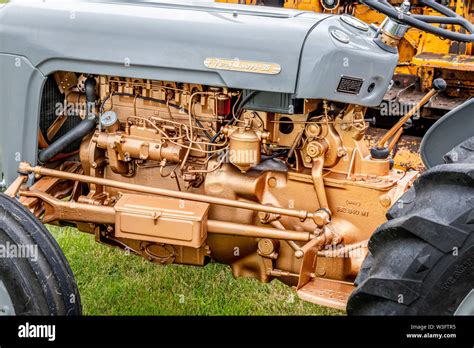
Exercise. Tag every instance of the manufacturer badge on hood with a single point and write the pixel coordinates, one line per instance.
(243, 66)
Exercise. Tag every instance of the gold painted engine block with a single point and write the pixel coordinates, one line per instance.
(181, 173)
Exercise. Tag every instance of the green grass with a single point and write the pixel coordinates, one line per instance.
(114, 283)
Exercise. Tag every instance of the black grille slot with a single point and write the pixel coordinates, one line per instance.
(350, 85)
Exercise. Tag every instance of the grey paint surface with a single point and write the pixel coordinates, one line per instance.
(448, 132)
(20, 89)
(161, 40)
(324, 60)
(157, 42)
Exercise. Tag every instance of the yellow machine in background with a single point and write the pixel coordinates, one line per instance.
(423, 56)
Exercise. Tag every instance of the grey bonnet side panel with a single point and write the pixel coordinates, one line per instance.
(155, 42)
(171, 43)
(20, 89)
(325, 60)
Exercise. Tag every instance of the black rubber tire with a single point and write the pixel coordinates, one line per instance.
(421, 262)
(463, 153)
(41, 285)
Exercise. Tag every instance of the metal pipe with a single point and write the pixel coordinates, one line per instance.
(295, 143)
(405, 118)
(296, 248)
(58, 210)
(230, 228)
(395, 139)
(318, 181)
(26, 168)
(343, 251)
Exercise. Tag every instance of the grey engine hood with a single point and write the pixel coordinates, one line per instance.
(169, 39)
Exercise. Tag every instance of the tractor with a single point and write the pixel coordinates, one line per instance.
(196, 132)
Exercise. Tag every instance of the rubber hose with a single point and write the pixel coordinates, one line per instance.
(89, 89)
(84, 128)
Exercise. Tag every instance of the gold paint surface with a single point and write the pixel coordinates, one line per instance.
(263, 221)
(243, 66)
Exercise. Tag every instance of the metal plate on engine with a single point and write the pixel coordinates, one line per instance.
(243, 66)
(350, 85)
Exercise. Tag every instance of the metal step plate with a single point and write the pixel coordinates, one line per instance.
(327, 292)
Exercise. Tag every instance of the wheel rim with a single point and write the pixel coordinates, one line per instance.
(467, 305)
(6, 304)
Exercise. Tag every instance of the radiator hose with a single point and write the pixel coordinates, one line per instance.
(82, 129)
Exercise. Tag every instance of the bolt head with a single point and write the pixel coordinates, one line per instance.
(385, 201)
(272, 182)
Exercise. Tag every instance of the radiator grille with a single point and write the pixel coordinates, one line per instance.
(50, 98)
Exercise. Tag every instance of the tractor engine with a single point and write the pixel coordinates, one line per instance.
(178, 144)
(256, 158)
(284, 176)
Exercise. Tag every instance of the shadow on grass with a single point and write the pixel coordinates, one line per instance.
(114, 283)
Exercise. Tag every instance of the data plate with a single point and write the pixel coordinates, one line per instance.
(350, 85)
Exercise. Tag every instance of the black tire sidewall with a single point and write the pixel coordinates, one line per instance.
(22, 285)
(39, 284)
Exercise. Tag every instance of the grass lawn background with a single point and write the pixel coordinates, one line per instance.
(114, 283)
